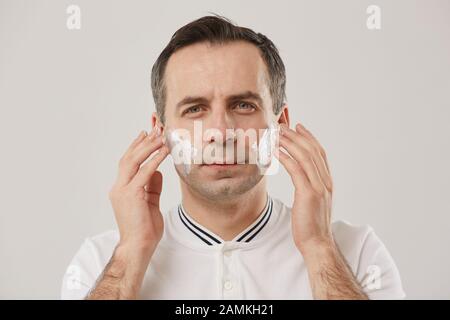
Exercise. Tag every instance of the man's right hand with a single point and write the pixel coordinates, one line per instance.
(135, 200)
(136, 192)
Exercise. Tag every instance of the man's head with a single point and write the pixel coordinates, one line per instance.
(226, 77)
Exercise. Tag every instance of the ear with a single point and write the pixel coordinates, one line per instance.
(156, 122)
(283, 117)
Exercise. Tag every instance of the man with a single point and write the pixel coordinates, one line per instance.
(228, 239)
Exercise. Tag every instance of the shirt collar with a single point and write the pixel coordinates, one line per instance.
(207, 237)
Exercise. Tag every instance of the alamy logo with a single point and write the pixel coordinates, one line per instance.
(374, 19)
(73, 21)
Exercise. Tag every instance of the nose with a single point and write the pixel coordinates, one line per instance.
(219, 122)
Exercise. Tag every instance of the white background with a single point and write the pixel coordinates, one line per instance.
(71, 101)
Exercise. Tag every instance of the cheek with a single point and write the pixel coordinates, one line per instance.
(257, 121)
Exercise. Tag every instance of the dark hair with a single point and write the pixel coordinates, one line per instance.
(216, 29)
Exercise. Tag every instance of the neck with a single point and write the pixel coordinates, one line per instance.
(229, 217)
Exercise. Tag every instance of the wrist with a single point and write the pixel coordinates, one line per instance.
(132, 252)
(127, 269)
(318, 249)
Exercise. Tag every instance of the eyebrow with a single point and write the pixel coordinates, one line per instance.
(240, 96)
(250, 95)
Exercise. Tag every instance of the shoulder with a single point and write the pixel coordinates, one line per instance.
(350, 237)
(101, 246)
(104, 240)
(87, 264)
(98, 246)
(369, 259)
(366, 255)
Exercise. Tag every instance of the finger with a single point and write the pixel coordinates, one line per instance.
(297, 174)
(136, 141)
(304, 159)
(153, 188)
(302, 130)
(130, 164)
(142, 135)
(314, 151)
(143, 176)
(146, 148)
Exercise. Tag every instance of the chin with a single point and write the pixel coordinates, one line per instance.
(222, 185)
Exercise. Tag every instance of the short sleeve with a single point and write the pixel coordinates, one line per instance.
(377, 272)
(81, 274)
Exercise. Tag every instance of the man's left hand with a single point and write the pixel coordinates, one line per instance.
(306, 163)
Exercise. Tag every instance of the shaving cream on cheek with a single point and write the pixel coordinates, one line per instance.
(267, 147)
(184, 153)
(181, 149)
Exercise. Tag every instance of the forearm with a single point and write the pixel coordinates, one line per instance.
(123, 275)
(330, 276)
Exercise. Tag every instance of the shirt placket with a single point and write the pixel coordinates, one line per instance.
(229, 279)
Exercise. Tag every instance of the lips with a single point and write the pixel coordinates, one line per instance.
(221, 164)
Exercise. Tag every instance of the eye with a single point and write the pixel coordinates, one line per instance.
(193, 109)
(244, 106)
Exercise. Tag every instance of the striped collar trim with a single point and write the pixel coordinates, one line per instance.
(211, 239)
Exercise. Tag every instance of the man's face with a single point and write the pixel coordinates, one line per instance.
(224, 87)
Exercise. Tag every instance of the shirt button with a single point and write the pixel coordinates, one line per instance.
(227, 253)
(228, 285)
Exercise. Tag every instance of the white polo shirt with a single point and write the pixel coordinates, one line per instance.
(262, 262)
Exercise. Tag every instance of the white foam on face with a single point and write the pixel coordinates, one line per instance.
(184, 153)
(267, 147)
(181, 149)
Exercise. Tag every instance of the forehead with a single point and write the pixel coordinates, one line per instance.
(212, 70)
